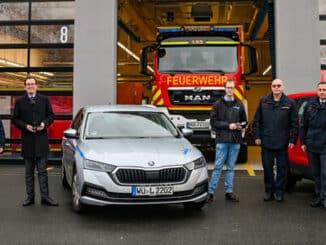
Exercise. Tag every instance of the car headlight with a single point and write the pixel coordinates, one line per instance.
(98, 166)
(198, 163)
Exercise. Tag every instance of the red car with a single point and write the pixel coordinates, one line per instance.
(299, 164)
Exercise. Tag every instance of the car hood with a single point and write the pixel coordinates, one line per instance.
(138, 152)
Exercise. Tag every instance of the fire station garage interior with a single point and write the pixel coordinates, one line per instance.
(143, 52)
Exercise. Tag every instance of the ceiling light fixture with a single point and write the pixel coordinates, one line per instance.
(170, 16)
(201, 12)
(14, 64)
(267, 70)
(10, 63)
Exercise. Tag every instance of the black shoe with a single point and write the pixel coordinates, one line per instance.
(29, 201)
(231, 197)
(323, 205)
(210, 198)
(279, 197)
(316, 203)
(49, 202)
(268, 197)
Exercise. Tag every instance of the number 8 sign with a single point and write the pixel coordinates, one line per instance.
(64, 34)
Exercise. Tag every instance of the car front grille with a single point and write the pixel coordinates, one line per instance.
(141, 176)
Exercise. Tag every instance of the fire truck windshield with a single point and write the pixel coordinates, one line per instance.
(198, 59)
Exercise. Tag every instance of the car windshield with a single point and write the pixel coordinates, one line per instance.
(128, 125)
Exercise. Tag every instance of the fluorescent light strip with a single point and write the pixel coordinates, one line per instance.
(11, 63)
(267, 70)
(133, 55)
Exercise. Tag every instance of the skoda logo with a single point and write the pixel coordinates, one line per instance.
(151, 163)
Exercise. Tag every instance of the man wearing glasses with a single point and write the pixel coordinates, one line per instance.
(227, 119)
(275, 129)
(33, 115)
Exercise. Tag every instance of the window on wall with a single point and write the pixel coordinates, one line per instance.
(36, 36)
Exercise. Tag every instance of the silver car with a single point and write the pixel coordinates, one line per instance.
(116, 155)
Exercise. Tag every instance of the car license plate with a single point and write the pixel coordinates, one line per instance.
(198, 125)
(155, 190)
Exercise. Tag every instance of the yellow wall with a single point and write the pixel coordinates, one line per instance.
(256, 92)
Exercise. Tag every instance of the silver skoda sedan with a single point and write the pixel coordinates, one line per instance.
(116, 155)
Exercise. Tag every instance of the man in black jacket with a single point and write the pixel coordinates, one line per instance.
(313, 139)
(275, 129)
(227, 119)
(33, 115)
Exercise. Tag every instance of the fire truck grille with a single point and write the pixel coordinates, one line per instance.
(192, 97)
(167, 175)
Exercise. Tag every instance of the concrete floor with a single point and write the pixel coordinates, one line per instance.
(249, 222)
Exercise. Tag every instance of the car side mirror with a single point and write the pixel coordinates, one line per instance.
(71, 133)
(187, 132)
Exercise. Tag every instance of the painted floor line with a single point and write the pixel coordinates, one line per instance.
(249, 169)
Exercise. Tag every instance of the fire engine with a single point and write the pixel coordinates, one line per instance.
(191, 65)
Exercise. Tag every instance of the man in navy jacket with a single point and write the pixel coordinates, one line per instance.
(313, 140)
(275, 129)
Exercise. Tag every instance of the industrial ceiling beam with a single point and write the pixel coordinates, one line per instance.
(126, 29)
(261, 19)
(130, 14)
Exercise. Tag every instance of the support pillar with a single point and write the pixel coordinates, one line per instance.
(95, 53)
(297, 44)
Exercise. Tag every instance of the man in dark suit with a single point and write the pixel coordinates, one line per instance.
(313, 140)
(33, 115)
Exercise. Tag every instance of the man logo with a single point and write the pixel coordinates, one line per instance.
(197, 97)
(151, 163)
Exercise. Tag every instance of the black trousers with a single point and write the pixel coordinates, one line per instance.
(41, 164)
(318, 165)
(269, 158)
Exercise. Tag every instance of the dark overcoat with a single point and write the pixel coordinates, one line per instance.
(33, 112)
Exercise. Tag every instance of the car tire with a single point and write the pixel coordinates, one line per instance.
(77, 206)
(194, 205)
(64, 181)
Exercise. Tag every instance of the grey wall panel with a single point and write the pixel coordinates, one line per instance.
(297, 44)
(95, 56)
